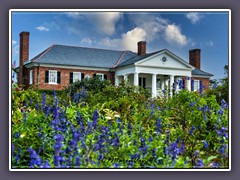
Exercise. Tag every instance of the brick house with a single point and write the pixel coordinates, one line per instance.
(59, 65)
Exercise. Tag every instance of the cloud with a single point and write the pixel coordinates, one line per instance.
(194, 17)
(86, 41)
(173, 34)
(209, 43)
(128, 40)
(42, 28)
(14, 42)
(151, 24)
(105, 22)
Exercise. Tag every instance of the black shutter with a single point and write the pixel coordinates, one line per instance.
(71, 77)
(46, 76)
(94, 75)
(82, 76)
(59, 77)
(139, 82)
(105, 76)
(144, 82)
(183, 81)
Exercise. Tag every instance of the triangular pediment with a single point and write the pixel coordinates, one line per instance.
(164, 59)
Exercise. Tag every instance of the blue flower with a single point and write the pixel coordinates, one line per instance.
(46, 165)
(192, 129)
(192, 104)
(16, 135)
(43, 100)
(196, 153)
(205, 144)
(222, 149)
(35, 160)
(220, 112)
(200, 163)
(215, 165)
(116, 165)
(224, 105)
(78, 161)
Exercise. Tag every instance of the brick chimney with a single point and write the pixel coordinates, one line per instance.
(195, 58)
(141, 47)
(23, 55)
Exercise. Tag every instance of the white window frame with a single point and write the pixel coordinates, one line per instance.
(101, 76)
(52, 77)
(77, 76)
(31, 77)
(196, 85)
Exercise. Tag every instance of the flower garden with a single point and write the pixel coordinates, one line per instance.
(99, 125)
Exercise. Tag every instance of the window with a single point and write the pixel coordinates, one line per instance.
(196, 85)
(52, 77)
(142, 82)
(101, 76)
(76, 76)
(31, 77)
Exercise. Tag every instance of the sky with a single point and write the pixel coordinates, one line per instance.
(178, 32)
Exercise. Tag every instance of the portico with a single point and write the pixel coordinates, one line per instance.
(155, 74)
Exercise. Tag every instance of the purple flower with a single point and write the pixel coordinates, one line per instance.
(46, 165)
(205, 144)
(35, 160)
(224, 105)
(16, 135)
(220, 112)
(78, 161)
(200, 163)
(215, 165)
(222, 149)
(192, 129)
(192, 104)
(196, 153)
(43, 100)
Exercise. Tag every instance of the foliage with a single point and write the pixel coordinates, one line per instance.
(118, 127)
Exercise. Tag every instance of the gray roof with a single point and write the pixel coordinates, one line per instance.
(135, 59)
(81, 56)
(92, 57)
(198, 72)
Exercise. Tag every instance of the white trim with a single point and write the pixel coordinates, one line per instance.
(74, 67)
(79, 74)
(170, 54)
(54, 73)
(198, 84)
(31, 76)
(207, 77)
(101, 75)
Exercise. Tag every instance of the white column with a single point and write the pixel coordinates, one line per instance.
(154, 85)
(188, 83)
(136, 79)
(162, 82)
(116, 80)
(125, 77)
(171, 84)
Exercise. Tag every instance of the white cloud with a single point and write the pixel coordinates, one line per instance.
(42, 28)
(105, 22)
(173, 34)
(128, 41)
(14, 42)
(86, 41)
(194, 17)
(151, 24)
(209, 43)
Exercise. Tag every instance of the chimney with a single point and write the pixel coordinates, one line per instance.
(141, 47)
(23, 55)
(195, 58)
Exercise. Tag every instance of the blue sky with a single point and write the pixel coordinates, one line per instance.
(177, 31)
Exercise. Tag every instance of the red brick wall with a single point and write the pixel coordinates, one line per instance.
(65, 77)
(141, 48)
(205, 82)
(195, 58)
(23, 56)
